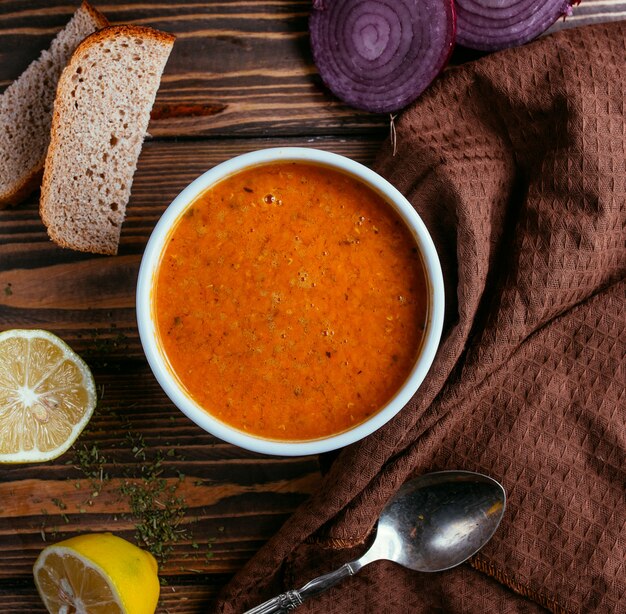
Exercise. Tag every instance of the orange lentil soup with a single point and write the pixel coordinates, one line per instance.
(290, 301)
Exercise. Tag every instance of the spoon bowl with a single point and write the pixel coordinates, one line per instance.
(439, 520)
(434, 522)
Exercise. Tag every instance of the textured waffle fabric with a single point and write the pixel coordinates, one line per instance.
(517, 165)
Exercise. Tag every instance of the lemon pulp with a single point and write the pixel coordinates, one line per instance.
(47, 395)
(97, 573)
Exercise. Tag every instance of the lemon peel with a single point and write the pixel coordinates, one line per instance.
(97, 573)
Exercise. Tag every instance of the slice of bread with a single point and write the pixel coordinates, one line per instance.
(101, 115)
(26, 109)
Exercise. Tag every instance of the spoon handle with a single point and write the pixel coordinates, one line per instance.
(292, 599)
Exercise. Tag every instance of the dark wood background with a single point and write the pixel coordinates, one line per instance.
(240, 78)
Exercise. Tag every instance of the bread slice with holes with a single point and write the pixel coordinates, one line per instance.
(26, 109)
(101, 115)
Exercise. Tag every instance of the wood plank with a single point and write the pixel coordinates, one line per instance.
(241, 67)
(83, 293)
(181, 595)
(238, 68)
(240, 78)
(235, 500)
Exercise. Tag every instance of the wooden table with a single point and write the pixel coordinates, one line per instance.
(240, 78)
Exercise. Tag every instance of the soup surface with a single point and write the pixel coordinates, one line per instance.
(290, 301)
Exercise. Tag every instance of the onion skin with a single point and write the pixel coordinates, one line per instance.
(380, 55)
(491, 25)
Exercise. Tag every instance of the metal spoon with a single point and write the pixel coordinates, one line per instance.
(434, 522)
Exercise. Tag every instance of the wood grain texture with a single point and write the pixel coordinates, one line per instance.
(235, 499)
(247, 60)
(239, 67)
(240, 78)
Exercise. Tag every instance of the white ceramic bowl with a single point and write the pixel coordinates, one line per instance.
(148, 330)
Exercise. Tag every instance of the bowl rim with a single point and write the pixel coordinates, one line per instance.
(147, 327)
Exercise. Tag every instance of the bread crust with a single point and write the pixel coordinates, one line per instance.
(29, 182)
(96, 15)
(23, 188)
(119, 30)
(64, 85)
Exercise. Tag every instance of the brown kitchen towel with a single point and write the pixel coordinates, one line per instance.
(517, 165)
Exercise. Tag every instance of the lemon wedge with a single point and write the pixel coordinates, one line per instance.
(47, 395)
(97, 573)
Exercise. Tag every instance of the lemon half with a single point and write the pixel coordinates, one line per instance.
(47, 395)
(97, 573)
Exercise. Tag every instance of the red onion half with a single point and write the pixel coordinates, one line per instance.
(379, 55)
(496, 24)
